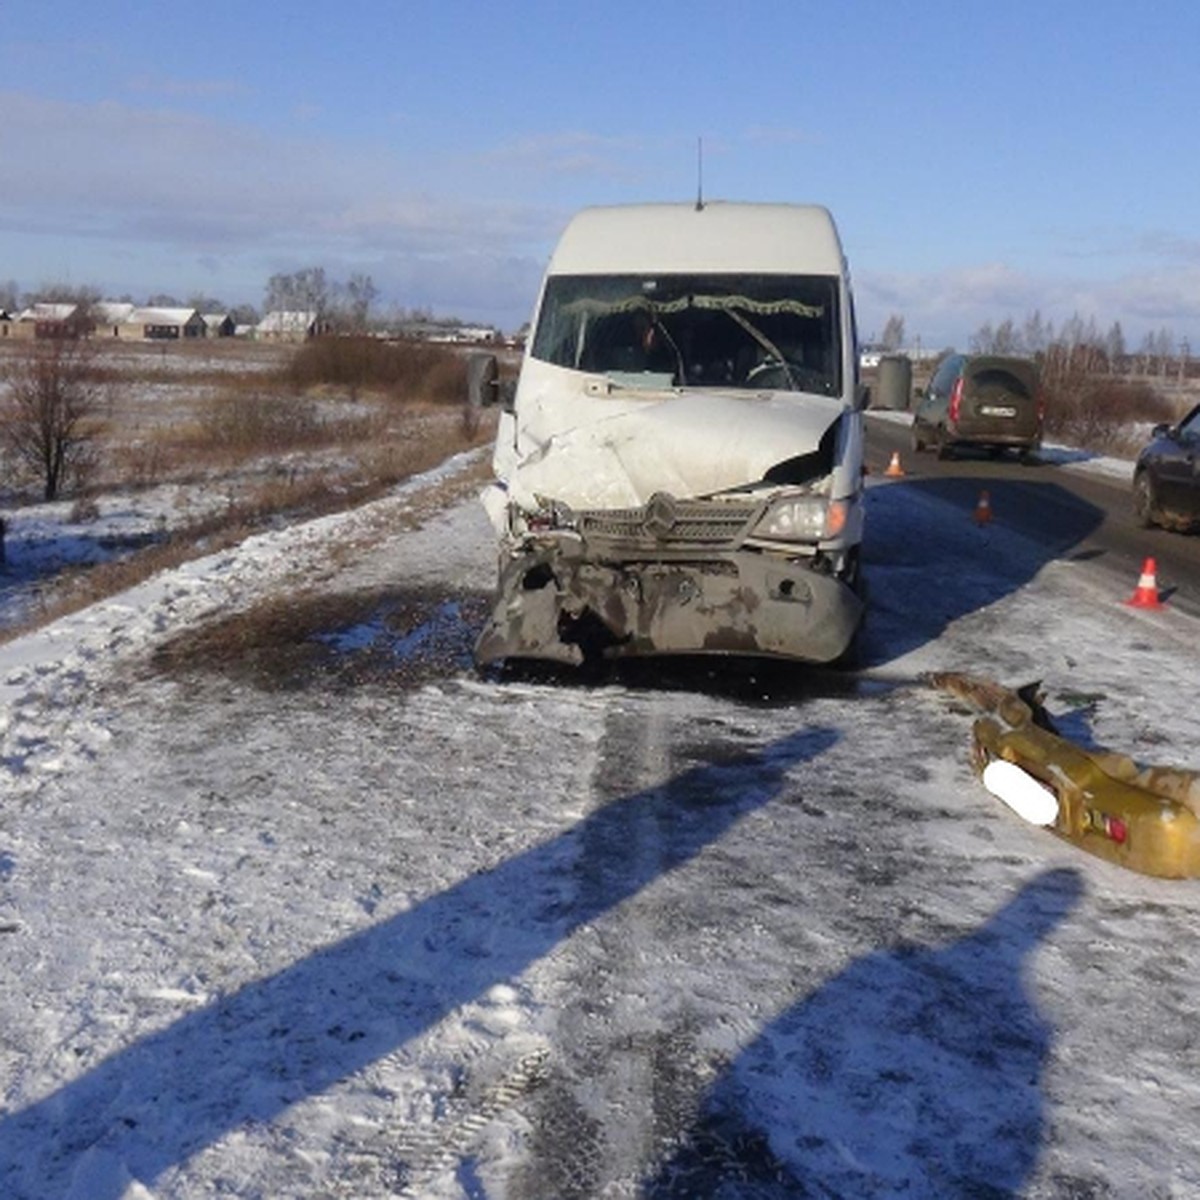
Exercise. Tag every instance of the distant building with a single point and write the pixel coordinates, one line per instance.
(51, 321)
(167, 324)
(112, 317)
(869, 357)
(218, 325)
(281, 326)
(437, 331)
(128, 322)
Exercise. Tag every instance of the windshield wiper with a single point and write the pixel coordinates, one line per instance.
(670, 342)
(766, 343)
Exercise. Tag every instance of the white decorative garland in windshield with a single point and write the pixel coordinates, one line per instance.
(760, 332)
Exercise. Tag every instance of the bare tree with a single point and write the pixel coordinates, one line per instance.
(1164, 349)
(1036, 334)
(299, 291)
(1156, 350)
(893, 332)
(63, 293)
(50, 413)
(205, 304)
(9, 295)
(1006, 339)
(1114, 346)
(983, 339)
(360, 293)
(244, 314)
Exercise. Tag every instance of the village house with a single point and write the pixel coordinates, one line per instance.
(128, 322)
(51, 321)
(218, 325)
(111, 317)
(167, 324)
(439, 331)
(282, 326)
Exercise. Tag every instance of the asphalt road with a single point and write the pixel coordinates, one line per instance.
(1081, 516)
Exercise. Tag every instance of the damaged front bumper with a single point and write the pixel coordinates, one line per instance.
(557, 603)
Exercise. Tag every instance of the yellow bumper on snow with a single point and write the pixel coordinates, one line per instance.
(1143, 818)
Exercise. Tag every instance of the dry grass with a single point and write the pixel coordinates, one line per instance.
(407, 371)
(1101, 413)
(259, 509)
(273, 451)
(335, 398)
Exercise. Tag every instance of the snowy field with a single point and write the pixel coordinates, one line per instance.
(335, 917)
(168, 461)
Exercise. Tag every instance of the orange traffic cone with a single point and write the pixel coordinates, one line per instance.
(1146, 593)
(983, 509)
(894, 469)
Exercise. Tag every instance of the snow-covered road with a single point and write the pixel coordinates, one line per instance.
(399, 930)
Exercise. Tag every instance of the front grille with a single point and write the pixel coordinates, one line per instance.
(669, 524)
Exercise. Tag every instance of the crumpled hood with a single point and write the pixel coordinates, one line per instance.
(617, 451)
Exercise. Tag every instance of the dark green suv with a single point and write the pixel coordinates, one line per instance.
(981, 400)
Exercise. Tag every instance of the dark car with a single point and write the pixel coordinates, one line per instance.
(981, 400)
(1166, 478)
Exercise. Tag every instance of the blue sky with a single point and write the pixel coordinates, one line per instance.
(983, 160)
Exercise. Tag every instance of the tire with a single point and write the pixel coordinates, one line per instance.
(945, 451)
(918, 442)
(1145, 506)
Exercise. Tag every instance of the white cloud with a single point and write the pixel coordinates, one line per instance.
(1171, 246)
(779, 135)
(115, 186)
(166, 85)
(570, 154)
(944, 308)
(126, 179)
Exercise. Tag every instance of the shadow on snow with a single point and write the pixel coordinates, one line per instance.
(914, 1072)
(251, 1054)
(928, 562)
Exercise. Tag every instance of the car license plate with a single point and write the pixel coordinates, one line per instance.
(998, 410)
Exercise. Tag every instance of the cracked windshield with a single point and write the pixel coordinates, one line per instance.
(759, 332)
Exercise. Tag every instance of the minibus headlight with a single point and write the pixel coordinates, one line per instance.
(802, 519)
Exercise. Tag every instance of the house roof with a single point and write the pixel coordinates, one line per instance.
(48, 312)
(162, 316)
(281, 321)
(112, 312)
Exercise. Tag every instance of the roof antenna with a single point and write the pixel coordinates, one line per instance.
(699, 174)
